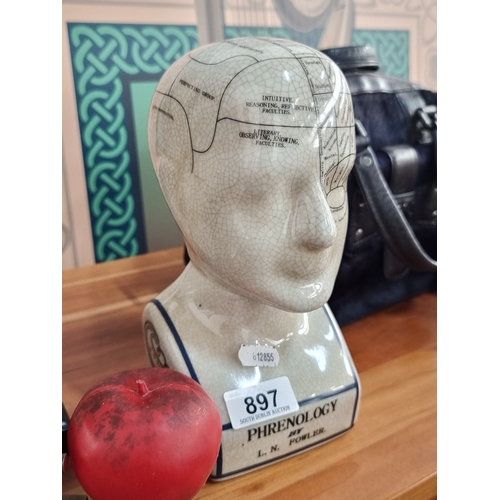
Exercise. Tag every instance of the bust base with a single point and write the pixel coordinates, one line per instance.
(318, 366)
(324, 418)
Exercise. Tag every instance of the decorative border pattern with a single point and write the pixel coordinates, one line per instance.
(101, 55)
(421, 15)
(310, 38)
(392, 47)
(105, 59)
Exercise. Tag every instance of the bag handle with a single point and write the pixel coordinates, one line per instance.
(389, 218)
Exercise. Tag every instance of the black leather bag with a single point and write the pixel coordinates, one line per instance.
(391, 246)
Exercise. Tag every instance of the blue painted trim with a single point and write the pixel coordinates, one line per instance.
(355, 386)
(228, 426)
(187, 360)
(177, 338)
(328, 394)
(218, 469)
(294, 452)
(329, 315)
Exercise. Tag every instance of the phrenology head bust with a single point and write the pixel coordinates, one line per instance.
(252, 140)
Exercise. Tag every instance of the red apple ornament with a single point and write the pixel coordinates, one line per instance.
(146, 434)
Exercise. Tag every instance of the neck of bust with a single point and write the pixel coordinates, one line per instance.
(229, 314)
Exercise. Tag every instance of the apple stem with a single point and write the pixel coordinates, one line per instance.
(142, 387)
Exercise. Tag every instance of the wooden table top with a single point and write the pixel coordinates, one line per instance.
(389, 454)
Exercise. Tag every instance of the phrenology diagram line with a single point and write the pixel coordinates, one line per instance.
(187, 121)
(261, 61)
(263, 124)
(314, 94)
(318, 75)
(178, 77)
(240, 56)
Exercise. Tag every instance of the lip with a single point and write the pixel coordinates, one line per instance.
(310, 266)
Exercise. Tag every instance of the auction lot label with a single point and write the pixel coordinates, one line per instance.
(316, 420)
(260, 402)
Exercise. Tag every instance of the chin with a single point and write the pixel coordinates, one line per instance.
(298, 306)
(291, 295)
(297, 299)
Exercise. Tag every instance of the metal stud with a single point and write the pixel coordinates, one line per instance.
(358, 234)
(366, 160)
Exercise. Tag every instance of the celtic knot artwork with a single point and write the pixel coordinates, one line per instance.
(392, 47)
(106, 58)
(102, 55)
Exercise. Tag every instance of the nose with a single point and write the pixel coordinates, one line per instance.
(314, 224)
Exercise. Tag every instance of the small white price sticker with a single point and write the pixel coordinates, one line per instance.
(265, 401)
(258, 355)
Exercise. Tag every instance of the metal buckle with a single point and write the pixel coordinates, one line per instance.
(362, 137)
(424, 125)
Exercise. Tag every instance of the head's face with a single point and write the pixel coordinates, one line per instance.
(252, 141)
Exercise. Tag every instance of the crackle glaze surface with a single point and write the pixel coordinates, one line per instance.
(252, 141)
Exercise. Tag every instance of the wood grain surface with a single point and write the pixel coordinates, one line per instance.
(389, 454)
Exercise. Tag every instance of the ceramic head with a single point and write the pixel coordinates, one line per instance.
(252, 141)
